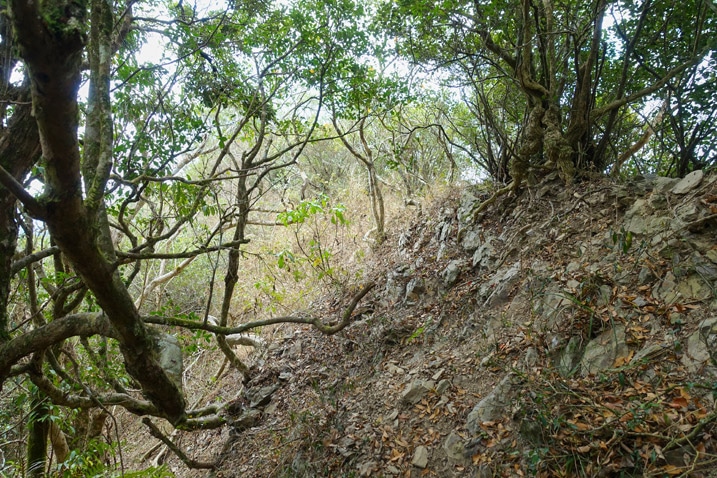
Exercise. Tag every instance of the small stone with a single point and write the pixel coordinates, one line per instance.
(454, 447)
(677, 319)
(247, 420)
(420, 457)
(471, 241)
(646, 276)
(416, 391)
(450, 273)
(366, 468)
(442, 386)
(531, 357)
(495, 405)
(262, 396)
(602, 352)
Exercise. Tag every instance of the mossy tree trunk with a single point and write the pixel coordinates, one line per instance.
(38, 427)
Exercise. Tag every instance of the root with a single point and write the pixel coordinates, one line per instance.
(500, 192)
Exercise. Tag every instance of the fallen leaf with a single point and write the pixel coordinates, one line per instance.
(678, 402)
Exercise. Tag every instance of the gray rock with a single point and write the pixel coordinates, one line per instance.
(455, 448)
(687, 212)
(484, 255)
(646, 276)
(637, 209)
(532, 431)
(420, 457)
(415, 289)
(602, 352)
(366, 468)
(444, 230)
(569, 357)
(700, 346)
(262, 396)
(647, 224)
(712, 255)
(640, 301)
(170, 357)
(666, 289)
(471, 241)
(531, 357)
(344, 446)
(443, 386)
(663, 184)
(689, 182)
(495, 405)
(604, 295)
(498, 289)
(694, 287)
(404, 240)
(705, 267)
(295, 350)
(677, 319)
(657, 201)
(396, 285)
(416, 391)
(248, 419)
(451, 272)
(648, 353)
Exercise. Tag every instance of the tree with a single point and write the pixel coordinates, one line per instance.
(236, 99)
(574, 72)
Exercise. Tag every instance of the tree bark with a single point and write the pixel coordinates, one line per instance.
(19, 149)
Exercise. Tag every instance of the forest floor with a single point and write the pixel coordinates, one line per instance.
(469, 358)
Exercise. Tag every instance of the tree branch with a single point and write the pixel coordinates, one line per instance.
(155, 432)
(315, 321)
(82, 324)
(20, 264)
(32, 205)
(598, 112)
(181, 255)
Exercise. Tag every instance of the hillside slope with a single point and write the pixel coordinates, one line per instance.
(566, 332)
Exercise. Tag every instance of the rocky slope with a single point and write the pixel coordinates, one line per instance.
(566, 332)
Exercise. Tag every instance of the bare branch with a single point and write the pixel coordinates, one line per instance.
(181, 255)
(155, 432)
(315, 321)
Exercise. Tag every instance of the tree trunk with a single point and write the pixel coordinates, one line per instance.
(53, 54)
(232, 274)
(59, 443)
(19, 148)
(38, 427)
